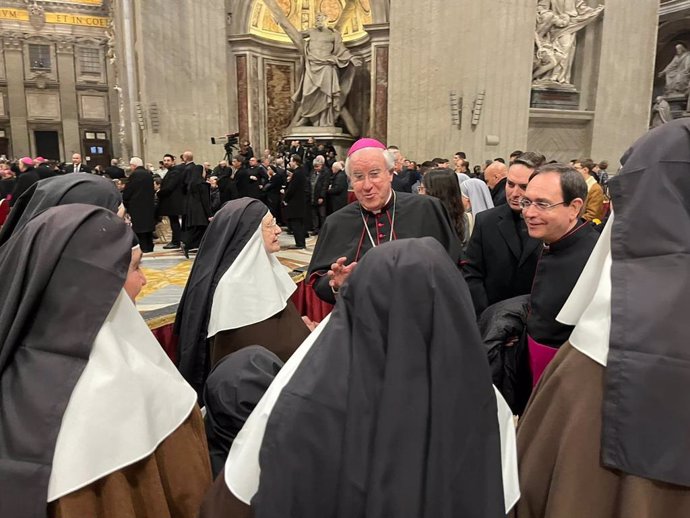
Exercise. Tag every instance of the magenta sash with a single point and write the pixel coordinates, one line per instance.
(539, 357)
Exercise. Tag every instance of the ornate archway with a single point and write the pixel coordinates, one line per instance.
(264, 65)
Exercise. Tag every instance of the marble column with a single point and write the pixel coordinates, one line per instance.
(242, 96)
(16, 100)
(180, 57)
(68, 100)
(626, 75)
(379, 34)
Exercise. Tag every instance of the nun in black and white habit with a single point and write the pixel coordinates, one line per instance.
(606, 431)
(237, 294)
(94, 419)
(61, 190)
(386, 410)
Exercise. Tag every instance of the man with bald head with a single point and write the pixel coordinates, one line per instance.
(138, 197)
(501, 257)
(495, 177)
(379, 215)
(77, 165)
(402, 180)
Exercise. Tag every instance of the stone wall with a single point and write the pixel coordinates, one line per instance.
(181, 84)
(626, 75)
(464, 47)
(443, 55)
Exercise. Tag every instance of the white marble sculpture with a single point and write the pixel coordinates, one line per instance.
(327, 74)
(661, 112)
(677, 72)
(558, 22)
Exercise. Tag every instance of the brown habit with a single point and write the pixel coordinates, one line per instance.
(221, 503)
(281, 334)
(169, 483)
(559, 448)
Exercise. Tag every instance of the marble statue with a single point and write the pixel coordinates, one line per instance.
(327, 75)
(661, 112)
(677, 72)
(558, 22)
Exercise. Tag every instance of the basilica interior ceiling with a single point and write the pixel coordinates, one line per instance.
(348, 16)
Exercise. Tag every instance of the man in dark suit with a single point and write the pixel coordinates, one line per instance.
(257, 179)
(495, 177)
(114, 171)
(296, 148)
(319, 185)
(241, 176)
(501, 258)
(171, 198)
(294, 202)
(336, 194)
(276, 179)
(138, 197)
(77, 166)
(402, 180)
(226, 183)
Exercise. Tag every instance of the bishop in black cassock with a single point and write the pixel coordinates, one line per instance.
(379, 215)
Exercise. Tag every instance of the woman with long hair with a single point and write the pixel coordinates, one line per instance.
(443, 184)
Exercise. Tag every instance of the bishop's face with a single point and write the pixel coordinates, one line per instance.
(370, 178)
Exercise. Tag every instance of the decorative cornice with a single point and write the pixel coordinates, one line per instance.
(12, 42)
(673, 6)
(65, 47)
(63, 40)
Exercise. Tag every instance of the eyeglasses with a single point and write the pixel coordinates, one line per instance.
(373, 176)
(541, 206)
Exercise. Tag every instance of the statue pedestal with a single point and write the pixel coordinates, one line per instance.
(678, 105)
(555, 98)
(340, 140)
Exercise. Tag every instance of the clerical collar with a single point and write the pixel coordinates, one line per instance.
(569, 239)
(366, 227)
(386, 205)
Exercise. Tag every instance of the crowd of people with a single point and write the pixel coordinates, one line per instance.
(464, 302)
(301, 183)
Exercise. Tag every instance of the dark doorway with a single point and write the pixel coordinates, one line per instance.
(47, 144)
(4, 146)
(98, 151)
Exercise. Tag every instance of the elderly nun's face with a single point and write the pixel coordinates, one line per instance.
(270, 232)
(136, 279)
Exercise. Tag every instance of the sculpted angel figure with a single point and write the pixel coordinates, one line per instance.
(558, 22)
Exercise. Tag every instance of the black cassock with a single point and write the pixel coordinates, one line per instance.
(558, 270)
(350, 232)
(138, 197)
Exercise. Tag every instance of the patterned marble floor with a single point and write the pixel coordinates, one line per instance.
(167, 271)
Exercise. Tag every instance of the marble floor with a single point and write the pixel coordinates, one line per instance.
(167, 271)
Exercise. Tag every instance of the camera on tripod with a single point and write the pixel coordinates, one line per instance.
(229, 142)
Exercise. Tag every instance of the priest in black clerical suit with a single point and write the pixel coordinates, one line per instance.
(552, 206)
(380, 215)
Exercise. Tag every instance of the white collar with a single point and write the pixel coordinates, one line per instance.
(254, 288)
(129, 398)
(390, 195)
(589, 306)
(242, 470)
